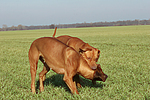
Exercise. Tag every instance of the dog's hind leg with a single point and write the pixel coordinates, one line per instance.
(43, 74)
(42, 77)
(33, 59)
(45, 66)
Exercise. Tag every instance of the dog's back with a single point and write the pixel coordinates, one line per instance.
(52, 51)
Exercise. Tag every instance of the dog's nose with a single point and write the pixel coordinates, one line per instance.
(93, 67)
(105, 77)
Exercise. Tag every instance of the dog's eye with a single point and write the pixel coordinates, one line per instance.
(89, 58)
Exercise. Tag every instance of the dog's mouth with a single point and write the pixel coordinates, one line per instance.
(101, 78)
(97, 79)
(104, 78)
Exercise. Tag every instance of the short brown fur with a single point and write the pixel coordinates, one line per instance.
(62, 59)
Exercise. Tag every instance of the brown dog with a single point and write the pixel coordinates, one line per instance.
(90, 54)
(62, 59)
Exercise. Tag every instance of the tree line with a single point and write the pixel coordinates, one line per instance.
(77, 25)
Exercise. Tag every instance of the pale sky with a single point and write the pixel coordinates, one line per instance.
(46, 12)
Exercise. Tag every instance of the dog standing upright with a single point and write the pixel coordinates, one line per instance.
(62, 59)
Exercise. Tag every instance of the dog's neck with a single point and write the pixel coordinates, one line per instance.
(85, 70)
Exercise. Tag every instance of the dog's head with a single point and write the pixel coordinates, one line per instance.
(90, 54)
(99, 75)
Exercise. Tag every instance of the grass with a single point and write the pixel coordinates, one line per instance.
(125, 58)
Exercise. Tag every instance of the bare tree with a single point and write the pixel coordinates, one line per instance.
(4, 27)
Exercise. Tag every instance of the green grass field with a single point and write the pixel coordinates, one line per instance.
(125, 58)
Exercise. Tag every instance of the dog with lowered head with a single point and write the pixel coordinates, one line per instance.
(62, 59)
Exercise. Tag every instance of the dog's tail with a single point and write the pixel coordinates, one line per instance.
(55, 32)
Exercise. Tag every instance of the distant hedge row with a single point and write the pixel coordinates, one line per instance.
(78, 25)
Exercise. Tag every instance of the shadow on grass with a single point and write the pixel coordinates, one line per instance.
(57, 81)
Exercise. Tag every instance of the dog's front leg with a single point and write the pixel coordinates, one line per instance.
(77, 79)
(72, 85)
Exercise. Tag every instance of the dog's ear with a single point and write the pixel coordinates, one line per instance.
(99, 52)
(81, 51)
(84, 48)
